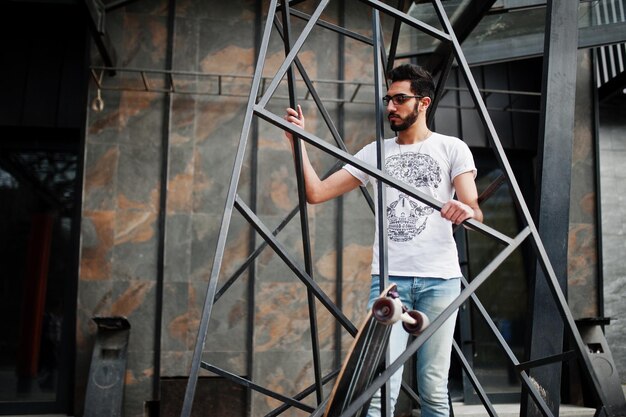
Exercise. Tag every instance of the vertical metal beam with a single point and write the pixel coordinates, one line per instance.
(380, 154)
(163, 194)
(341, 73)
(258, 32)
(555, 290)
(393, 48)
(381, 213)
(596, 155)
(553, 182)
(304, 217)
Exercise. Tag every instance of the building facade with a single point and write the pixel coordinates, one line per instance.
(114, 180)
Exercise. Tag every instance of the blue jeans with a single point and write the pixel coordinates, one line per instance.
(430, 296)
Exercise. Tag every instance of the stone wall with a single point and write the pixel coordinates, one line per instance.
(613, 188)
(120, 230)
(124, 147)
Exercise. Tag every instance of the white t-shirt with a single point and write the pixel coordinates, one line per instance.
(420, 241)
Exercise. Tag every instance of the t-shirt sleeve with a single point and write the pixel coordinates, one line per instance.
(361, 155)
(461, 160)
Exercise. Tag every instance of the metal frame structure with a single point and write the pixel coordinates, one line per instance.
(257, 109)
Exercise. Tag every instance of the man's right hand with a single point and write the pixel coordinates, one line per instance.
(296, 118)
(318, 191)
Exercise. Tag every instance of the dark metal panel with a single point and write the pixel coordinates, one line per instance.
(467, 367)
(553, 188)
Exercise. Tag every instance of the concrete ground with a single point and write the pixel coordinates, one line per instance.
(462, 410)
(512, 410)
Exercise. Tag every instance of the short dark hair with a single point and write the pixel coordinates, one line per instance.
(421, 80)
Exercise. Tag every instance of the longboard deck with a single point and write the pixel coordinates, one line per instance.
(361, 365)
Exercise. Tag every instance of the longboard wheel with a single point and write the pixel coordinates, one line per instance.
(421, 322)
(387, 310)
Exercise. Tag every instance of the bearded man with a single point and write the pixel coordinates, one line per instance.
(422, 254)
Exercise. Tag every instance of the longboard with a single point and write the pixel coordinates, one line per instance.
(368, 349)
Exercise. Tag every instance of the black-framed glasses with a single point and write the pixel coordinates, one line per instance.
(398, 99)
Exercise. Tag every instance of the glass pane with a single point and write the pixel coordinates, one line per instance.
(37, 197)
(505, 293)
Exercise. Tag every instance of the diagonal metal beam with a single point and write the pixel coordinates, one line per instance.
(116, 4)
(335, 28)
(474, 380)
(411, 21)
(324, 113)
(256, 387)
(436, 324)
(379, 175)
(283, 253)
(293, 52)
(542, 256)
(395, 35)
(303, 394)
(526, 381)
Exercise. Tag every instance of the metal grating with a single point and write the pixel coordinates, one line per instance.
(611, 58)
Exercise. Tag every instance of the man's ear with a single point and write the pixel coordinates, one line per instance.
(425, 102)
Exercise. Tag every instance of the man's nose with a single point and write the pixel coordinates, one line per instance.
(390, 106)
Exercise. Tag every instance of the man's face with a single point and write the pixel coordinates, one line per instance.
(402, 115)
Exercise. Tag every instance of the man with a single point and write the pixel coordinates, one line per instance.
(422, 255)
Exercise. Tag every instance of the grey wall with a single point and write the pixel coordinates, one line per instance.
(582, 262)
(121, 193)
(613, 188)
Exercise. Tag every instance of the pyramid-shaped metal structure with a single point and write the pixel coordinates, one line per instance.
(257, 108)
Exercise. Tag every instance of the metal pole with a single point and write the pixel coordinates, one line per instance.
(553, 183)
(302, 202)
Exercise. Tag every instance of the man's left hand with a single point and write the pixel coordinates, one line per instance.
(456, 212)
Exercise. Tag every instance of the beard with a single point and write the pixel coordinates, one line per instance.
(405, 122)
